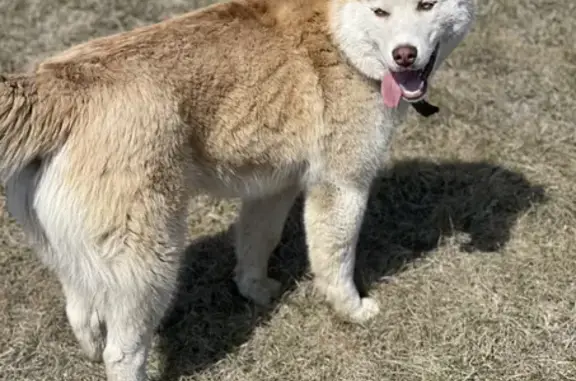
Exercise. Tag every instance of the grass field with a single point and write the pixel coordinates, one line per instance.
(469, 243)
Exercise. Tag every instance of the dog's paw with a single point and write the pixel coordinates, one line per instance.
(367, 310)
(260, 291)
(93, 354)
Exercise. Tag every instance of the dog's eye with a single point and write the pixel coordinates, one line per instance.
(381, 12)
(425, 5)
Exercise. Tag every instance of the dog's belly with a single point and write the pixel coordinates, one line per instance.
(255, 183)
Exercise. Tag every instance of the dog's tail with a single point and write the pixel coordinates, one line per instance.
(31, 126)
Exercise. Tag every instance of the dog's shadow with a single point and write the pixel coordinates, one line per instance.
(412, 208)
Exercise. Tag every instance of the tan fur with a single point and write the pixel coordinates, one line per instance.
(32, 123)
(109, 140)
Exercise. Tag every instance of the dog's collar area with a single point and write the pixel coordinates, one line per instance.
(425, 108)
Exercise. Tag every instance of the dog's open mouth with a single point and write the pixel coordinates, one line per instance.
(409, 84)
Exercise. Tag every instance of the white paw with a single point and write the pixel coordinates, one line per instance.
(93, 353)
(260, 291)
(367, 310)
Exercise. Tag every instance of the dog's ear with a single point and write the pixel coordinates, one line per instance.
(424, 108)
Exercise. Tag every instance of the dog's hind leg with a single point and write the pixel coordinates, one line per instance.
(258, 232)
(142, 276)
(80, 305)
(86, 320)
(130, 322)
(134, 308)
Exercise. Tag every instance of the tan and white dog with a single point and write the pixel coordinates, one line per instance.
(103, 145)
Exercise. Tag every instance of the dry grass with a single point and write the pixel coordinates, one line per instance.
(470, 242)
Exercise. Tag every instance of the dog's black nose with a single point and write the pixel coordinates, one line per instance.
(405, 55)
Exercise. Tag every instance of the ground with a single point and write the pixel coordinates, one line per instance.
(469, 243)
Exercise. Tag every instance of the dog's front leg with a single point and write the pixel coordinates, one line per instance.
(333, 216)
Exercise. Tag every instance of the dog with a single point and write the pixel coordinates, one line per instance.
(104, 144)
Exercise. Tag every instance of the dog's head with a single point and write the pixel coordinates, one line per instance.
(400, 42)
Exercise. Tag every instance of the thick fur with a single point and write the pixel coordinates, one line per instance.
(104, 144)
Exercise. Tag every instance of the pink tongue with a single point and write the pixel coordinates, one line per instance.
(391, 92)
